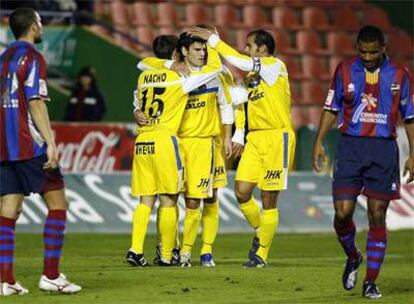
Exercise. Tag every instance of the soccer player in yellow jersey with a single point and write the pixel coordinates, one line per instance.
(157, 165)
(200, 140)
(270, 146)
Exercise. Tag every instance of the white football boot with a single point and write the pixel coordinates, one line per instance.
(61, 285)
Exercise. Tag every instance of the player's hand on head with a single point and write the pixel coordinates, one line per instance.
(200, 32)
(318, 157)
(237, 149)
(409, 169)
(52, 158)
(181, 68)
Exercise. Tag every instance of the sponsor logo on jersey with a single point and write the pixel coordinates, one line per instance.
(145, 148)
(351, 87)
(203, 183)
(255, 95)
(329, 98)
(219, 170)
(273, 174)
(395, 87)
(369, 102)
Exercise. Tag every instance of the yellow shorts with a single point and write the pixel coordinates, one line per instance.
(157, 165)
(198, 156)
(220, 175)
(266, 159)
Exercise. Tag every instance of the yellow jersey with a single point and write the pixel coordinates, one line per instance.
(162, 94)
(201, 115)
(268, 87)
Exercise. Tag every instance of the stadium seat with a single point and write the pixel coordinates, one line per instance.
(284, 17)
(294, 68)
(283, 45)
(308, 42)
(196, 13)
(314, 115)
(374, 15)
(345, 17)
(166, 14)
(313, 92)
(145, 35)
(399, 43)
(333, 63)
(167, 30)
(253, 16)
(225, 15)
(295, 91)
(241, 38)
(119, 13)
(98, 8)
(299, 116)
(314, 67)
(340, 43)
(142, 13)
(315, 18)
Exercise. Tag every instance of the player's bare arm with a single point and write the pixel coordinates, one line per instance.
(318, 154)
(409, 164)
(40, 116)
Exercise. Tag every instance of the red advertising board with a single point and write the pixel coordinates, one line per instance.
(94, 147)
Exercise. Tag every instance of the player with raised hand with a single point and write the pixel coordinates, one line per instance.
(158, 166)
(270, 146)
(200, 140)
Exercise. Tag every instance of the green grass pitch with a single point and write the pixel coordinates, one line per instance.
(303, 268)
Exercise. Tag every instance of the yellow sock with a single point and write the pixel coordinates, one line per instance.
(140, 221)
(168, 224)
(251, 212)
(191, 226)
(210, 226)
(266, 231)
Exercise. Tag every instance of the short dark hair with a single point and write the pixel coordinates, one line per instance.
(186, 40)
(164, 46)
(20, 21)
(262, 37)
(371, 33)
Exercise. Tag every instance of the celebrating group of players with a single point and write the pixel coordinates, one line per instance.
(184, 110)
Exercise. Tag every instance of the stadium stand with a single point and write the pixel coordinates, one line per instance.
(312, 36)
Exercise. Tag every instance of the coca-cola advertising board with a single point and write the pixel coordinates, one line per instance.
(94, 147)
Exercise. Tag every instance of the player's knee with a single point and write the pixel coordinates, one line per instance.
(269, 199)
(212, 199)
(376, 216)
(242, 197)
(342, 216)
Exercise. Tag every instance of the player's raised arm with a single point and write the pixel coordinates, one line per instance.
(269, 68)
(154, 63)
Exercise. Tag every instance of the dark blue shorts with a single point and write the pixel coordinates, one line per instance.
(366, 165)
(28, 176)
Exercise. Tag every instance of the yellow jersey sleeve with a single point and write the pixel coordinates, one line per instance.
(269, 68)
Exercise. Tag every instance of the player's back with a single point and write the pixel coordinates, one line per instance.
(162, 100)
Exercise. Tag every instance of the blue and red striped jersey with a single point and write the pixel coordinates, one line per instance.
(22, 79)
(368, 102)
